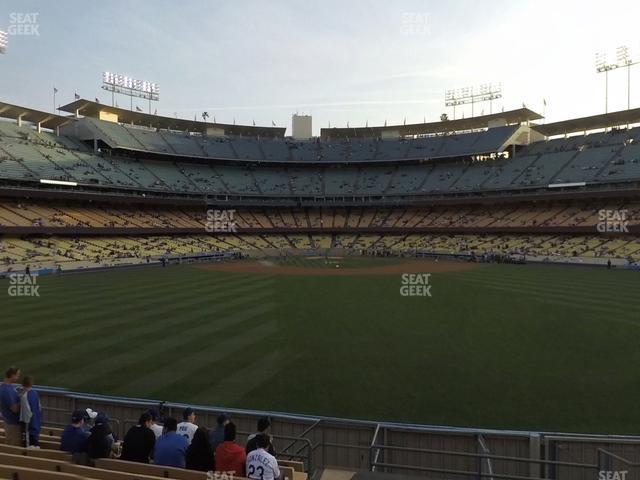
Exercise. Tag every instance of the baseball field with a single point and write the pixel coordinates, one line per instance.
(500, 346)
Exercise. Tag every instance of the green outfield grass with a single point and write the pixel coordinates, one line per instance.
(500, 346)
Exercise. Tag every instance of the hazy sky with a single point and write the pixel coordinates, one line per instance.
(349, 60)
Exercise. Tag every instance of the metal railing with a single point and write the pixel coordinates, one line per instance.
(480, 457)
(481, 454)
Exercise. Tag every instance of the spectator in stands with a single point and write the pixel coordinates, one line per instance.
(231, 457)
(261, 465)
(263, 429)
(171, 448)
(101, 438)
(139, 441)
(217, 435)
(187, 428)
(155, 426)
(10, 407)
(74, 436)
(199, 453)
(30, 412)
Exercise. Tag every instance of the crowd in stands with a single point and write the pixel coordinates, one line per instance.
(553, 214)
(89, 436)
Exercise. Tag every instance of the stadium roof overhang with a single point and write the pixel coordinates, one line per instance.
(594, 122)
(521, 115)
(42, 119)
(88, 108)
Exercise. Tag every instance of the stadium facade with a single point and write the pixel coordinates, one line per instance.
(105, 186)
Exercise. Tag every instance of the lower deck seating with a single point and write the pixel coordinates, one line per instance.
(23, 463)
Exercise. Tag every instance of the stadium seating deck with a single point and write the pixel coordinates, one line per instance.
(26, 154)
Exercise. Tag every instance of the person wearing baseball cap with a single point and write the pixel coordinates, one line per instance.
(74, 436)
(101, 438)
(187, 428)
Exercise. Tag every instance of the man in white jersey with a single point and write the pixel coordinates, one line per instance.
(261, 465)
(188, 427)
(156, 428)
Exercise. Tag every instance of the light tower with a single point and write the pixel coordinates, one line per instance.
(486, 92)
(623, 59)
(4, 40)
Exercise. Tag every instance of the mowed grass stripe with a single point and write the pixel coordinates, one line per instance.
(79, 298)
(236, 385)
(586, 276)
(91, 282)
(571, 288)
(114, 309)
(579, 295)
(562, 300)
(208, 356)
(87, 330)
(157, 354)
(84, 344)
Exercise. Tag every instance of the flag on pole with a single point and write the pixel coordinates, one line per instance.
(76, 96)
(55, 90)
(254, 123)
(273, 124)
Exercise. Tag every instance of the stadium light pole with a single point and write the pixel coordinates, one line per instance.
(4, 41)
(603, 66)
(464, 96)
(624, 60)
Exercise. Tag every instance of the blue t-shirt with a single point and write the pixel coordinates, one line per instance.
(74, 439)
(36, 415)
(8, 397)
(170, 450)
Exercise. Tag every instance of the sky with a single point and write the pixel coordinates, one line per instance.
(356, 61)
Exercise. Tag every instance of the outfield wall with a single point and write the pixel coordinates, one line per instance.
(440, 452)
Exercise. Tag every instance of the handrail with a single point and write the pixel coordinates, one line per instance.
(628, 463)
(466, 473)
(505, 458)
(305, 432)
(373, 458)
